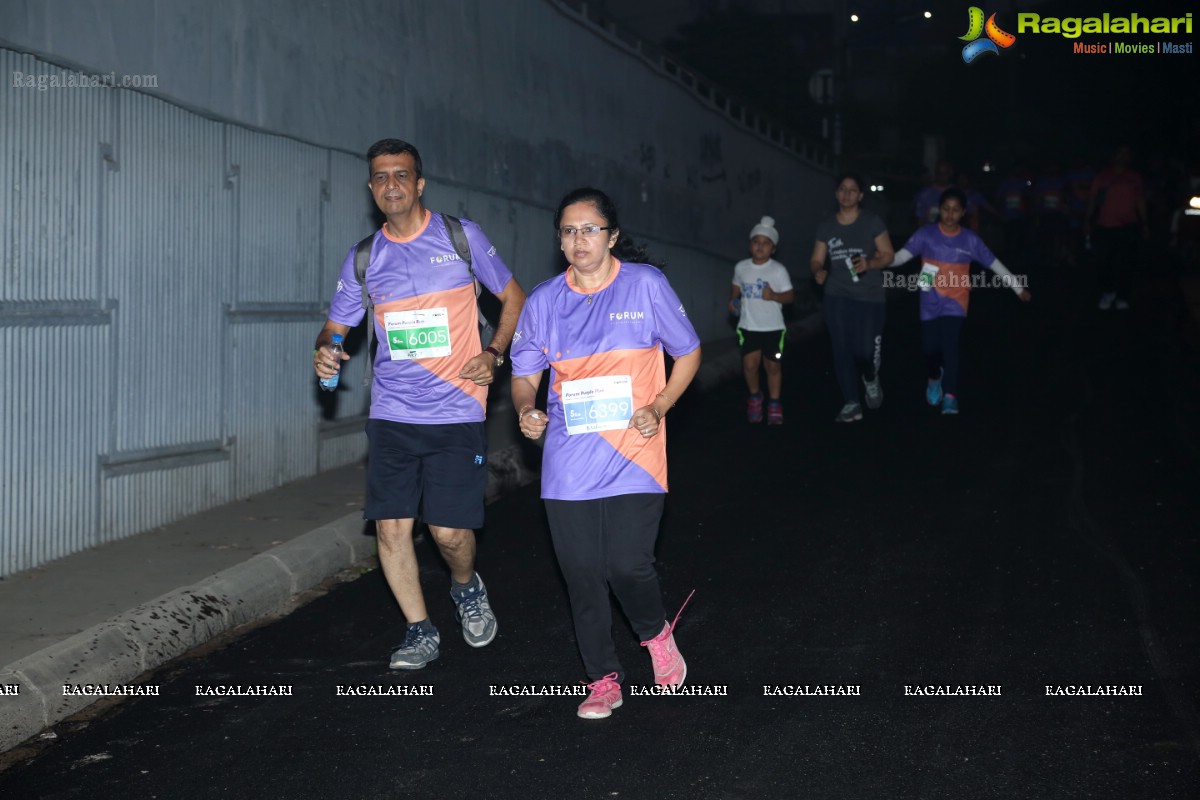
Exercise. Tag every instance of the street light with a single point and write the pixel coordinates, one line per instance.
(853, 28)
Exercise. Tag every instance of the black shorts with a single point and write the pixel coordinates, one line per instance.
(437, 470)
(769, 342)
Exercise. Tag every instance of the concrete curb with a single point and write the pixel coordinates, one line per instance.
(120, 649)
(117, 651)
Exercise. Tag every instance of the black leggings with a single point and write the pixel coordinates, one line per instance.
(603, 544)
(856, 333)
(940, 339)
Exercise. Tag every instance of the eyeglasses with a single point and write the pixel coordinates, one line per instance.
(585, 230)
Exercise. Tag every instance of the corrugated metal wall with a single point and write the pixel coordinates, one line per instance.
(56, 318)
(163, 209)
(276, 188)
(160, 285)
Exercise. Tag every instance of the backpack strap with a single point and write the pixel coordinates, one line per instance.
(362, 258)
(463, 247)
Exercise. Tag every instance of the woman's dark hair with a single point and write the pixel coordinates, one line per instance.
(854, 176)
(625, 249)
(954, 193)
(394, 147)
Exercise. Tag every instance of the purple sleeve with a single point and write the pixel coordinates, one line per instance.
(674, 329)
(345, 308)
(526, 353)
(489, 268)
(979, 250)
(916, 242)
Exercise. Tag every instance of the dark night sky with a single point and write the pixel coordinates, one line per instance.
(1035, 100)
(1039, 95)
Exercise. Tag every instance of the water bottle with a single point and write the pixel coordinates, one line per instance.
(850, 266)
(335, 347)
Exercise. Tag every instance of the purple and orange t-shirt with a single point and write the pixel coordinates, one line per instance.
(1012, 194)
(612, 337)
(425, 320)
(1050, 193)
(952, 256)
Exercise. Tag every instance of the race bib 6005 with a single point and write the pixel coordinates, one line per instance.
(418, 333)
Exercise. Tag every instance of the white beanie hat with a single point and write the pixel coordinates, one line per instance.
(766, 228)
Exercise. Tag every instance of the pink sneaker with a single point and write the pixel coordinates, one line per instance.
(605, 696)
(754, 405)
(669, 667)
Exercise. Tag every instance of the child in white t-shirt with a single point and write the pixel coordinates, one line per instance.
(761, 287)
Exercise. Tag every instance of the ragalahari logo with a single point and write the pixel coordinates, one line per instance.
(996, 38)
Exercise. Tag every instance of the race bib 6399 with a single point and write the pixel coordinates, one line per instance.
(603, 403)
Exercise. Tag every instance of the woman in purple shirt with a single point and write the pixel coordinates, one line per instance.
(601, 328)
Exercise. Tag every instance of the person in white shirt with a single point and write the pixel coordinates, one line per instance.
(761, 287)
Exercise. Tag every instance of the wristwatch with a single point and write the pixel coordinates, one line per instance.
(496, 354)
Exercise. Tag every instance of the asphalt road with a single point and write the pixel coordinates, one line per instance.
(1047, 537)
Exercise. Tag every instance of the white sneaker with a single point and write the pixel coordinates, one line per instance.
(1121, 305)
(474, 613)
(851, 412)
(1106, 301)
(874, 393)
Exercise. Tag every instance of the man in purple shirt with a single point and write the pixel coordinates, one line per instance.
(427, 446)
